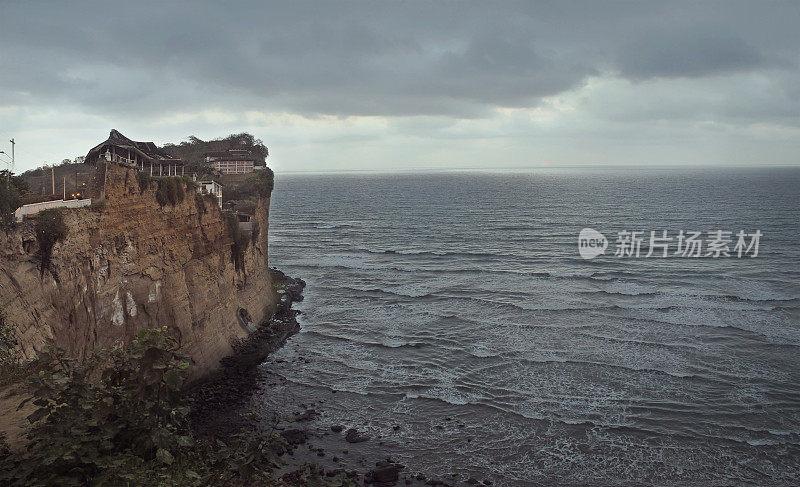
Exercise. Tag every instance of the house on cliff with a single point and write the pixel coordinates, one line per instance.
(211, 187)
(145, 156)
(232, 161)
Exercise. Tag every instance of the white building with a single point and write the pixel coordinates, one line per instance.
(232, 161)
(211, 187)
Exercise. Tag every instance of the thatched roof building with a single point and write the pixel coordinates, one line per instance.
(145, 156)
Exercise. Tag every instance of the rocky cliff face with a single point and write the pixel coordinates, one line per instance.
(132, 265)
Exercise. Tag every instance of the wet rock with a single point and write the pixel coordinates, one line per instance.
(353, 436)
(306, 415)
(384, 473)
(295, 436)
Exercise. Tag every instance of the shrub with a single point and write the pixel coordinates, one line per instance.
(199, 202)
(240, 240)
(119, 418)
(264, 181)
(49, 230)
(190, 183)
(115, 411)
(144, 180)
(171, 191)
(11, 368)
(211, 199)
(9, 200)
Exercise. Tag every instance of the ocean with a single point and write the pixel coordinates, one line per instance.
(451, 315)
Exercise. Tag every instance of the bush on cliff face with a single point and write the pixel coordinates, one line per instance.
(240, 240)
(171, 190)
(144, 180)
(11, 368)
(264, 181)
(49, 229)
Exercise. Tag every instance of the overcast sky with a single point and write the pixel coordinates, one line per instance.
(390, 85)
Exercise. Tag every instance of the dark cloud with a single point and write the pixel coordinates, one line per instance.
(457, 60)
(346, 58)
(687, 54)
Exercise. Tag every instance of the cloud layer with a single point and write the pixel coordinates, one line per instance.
(570, 83)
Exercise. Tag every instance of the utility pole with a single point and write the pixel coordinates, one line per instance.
(12, 154)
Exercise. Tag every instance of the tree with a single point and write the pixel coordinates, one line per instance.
(9, 197)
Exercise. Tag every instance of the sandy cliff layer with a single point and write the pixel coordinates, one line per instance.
(134, 265)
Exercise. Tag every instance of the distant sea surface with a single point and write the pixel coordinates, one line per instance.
(463, 296)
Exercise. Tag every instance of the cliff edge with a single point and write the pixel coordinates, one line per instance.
(130, 263)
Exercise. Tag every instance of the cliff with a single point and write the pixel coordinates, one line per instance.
(133, 264)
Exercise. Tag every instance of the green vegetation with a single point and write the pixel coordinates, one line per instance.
(260, 183)
(190, 183)
(11, 368)
(240, 238)
(171, 190)
(199, 202)
(49, 229)
(191, 150)
(264, 182)
(144, 180)
(11, 190)
(119, 418)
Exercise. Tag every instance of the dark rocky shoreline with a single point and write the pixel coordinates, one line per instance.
(221, 408)
(217, 399)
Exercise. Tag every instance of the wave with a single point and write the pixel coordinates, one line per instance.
(388, 343)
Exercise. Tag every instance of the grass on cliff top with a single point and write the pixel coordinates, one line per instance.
(171, 190)
(120, 418)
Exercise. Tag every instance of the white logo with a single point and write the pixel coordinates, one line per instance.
(591, 243)
(718, 243)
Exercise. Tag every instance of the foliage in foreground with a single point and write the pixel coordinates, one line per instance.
(11, 368)
(119, 418)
